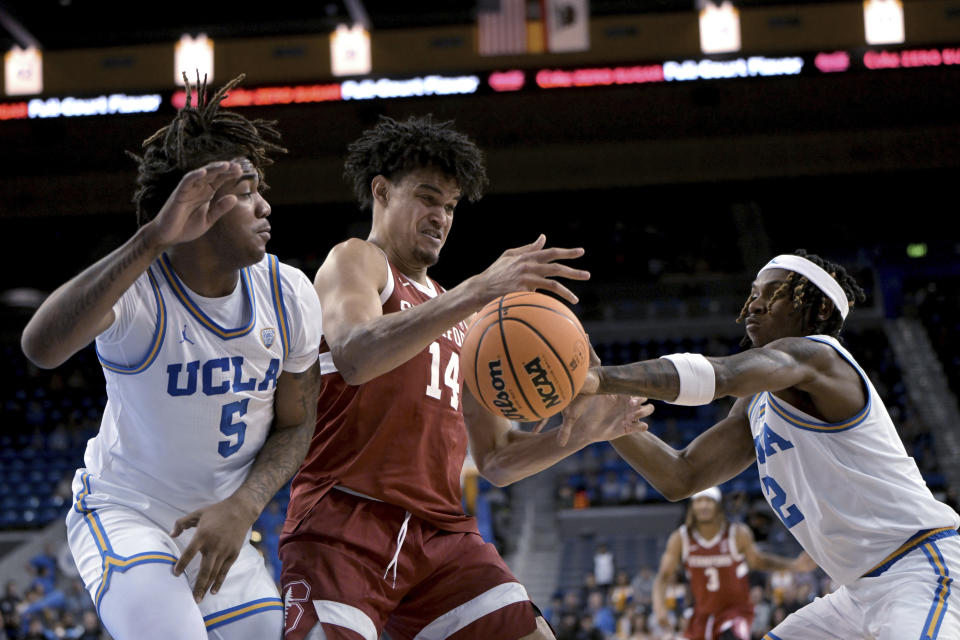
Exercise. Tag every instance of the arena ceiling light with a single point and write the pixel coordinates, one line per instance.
(193, 56)
(883, 21)
(719, 27)
(350, 51)
(23, 71)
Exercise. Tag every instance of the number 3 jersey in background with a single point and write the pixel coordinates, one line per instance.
(716, 570)
(847, 491)
(400, 437)
(191, 380)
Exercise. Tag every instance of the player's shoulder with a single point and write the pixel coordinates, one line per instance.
(812, 350)
(356, 249)
(289, 279)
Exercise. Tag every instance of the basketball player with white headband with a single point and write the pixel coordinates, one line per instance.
(831, 463)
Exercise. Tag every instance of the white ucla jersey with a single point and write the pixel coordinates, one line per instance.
(187, 415)
(847, 491)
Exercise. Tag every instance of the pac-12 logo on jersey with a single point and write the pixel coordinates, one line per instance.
(267, 336)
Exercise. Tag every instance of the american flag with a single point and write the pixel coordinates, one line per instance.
(501, 27)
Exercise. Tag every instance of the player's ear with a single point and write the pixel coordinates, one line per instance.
(826, 309)
(380, 188)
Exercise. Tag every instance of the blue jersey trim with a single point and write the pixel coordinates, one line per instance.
(220, 618)
(919, 538)
(111, 561)
(938, 608)
(278, 305)
(156, 342)
(180, 291)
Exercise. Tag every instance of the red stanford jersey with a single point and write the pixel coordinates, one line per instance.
(716, 570)
(399, 438)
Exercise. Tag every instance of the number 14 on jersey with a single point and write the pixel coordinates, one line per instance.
(451, 376)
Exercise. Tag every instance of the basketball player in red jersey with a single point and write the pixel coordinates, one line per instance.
(716, 555)
(375, 537)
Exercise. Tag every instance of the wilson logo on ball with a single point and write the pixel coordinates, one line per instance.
(545, 388)
(502, 400)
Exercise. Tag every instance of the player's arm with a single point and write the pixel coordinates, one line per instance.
(784, 363)
(716, 455)
(222, 527)
(82, 308)
(504, 455)
(669, 563)
(762, 561)
(364, 343)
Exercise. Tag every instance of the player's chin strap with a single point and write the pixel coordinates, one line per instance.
(396, 555)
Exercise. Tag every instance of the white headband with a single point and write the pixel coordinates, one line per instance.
(823, 280)
(713, 493)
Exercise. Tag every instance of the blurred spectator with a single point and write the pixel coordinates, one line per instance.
(91, 627)
(601, 614)
(588, 630)
(569, 627)
(610, 489)
(621, 595)
(11, 598)
(603, 566)
(762, 612)
(35, 631)
(642, 586)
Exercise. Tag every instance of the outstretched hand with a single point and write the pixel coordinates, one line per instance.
(529, 268)
(193, 208)
(221, 533)
(600, 418)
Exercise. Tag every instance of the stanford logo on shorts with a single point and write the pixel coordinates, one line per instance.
(293, 595)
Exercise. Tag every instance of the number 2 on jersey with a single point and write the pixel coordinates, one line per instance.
(450, 375)
(778, 499)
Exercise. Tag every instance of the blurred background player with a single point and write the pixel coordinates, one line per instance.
(208, 346)
(716, 556)
(376, 538)
(831, 463)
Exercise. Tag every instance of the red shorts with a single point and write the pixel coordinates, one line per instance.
(709, 626)
(448, 585)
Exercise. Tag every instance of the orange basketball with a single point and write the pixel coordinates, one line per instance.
(525, 356)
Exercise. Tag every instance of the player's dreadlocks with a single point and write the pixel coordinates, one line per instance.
(393, 148)
(197, 136)
(807, 297)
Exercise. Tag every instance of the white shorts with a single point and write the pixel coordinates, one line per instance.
(112, 529)
(913, 599)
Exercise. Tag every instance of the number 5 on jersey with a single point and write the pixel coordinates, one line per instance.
(451, 375)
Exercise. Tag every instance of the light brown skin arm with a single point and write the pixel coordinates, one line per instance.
(669, 563)
(716, 455)
(365, 344)
(82, 308)
(761, 561)
(222, 527)
(504, 455)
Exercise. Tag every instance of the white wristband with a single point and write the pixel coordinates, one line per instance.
(698, 380)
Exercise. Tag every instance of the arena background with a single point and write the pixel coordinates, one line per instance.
(678, 190)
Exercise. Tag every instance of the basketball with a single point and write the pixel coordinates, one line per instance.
(525, 356)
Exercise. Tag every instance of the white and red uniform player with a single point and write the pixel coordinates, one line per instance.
(716, 556)
(375, 516)
(718, 577)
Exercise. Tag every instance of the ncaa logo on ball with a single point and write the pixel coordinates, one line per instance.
(502, 401)
(542, 382)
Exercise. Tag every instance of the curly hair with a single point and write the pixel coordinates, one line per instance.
(807, 297)
(197, 136)
(393, 148)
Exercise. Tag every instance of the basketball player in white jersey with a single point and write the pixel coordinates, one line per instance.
(209, 350)
(831, 463)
